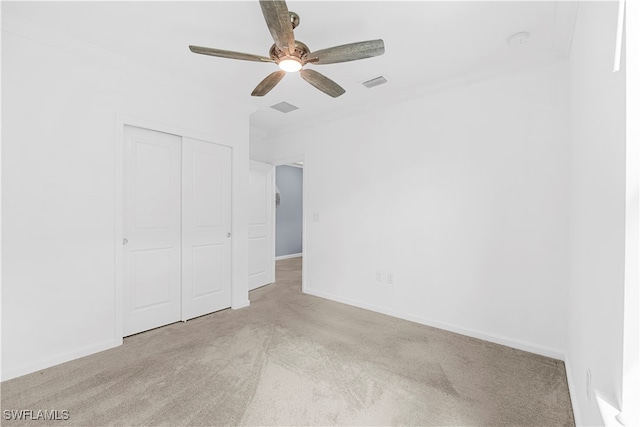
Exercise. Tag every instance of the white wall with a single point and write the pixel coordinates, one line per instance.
(461, 195)
(595, 309)
(259, 150)
(58, 189)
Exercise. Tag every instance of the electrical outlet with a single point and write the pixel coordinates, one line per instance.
(588, 384)
(390, 278)
(378, 276)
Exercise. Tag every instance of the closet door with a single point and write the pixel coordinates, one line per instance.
(206, 228)
(152, 229)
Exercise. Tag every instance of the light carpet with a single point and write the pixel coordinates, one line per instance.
(295, 359)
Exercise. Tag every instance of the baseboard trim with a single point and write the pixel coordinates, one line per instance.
(59, 359)
(497, 339)
(281, 257)
(573, 393)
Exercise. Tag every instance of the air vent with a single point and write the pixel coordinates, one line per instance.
(284, 107)
(374, 82)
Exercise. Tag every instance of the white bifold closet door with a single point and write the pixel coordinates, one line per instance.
(177, 213)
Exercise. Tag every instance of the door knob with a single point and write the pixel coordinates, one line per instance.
(229, 234)
(125, 241)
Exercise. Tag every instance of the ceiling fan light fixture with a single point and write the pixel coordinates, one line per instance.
(291, 54)
(290, 64)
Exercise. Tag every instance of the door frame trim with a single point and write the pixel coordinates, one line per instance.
(120, 122)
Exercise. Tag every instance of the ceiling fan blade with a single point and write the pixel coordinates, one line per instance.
(268, 83)
(229, 54)
(277, 17)
(322, 83)
(346, 52)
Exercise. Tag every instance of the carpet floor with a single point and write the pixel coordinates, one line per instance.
(295, 359)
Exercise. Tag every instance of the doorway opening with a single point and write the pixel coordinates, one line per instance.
(289, 211)
(290, 215)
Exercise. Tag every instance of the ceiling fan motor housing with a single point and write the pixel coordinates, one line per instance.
(301, 50)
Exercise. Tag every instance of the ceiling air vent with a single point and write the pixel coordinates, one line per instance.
(374, 82)
(284, 107)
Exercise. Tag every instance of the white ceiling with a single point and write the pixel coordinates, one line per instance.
(427, 44)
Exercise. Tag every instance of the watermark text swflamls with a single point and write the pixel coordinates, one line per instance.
(35, 414)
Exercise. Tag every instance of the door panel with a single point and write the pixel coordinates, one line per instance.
(207, 270)
(257, 260)
(151, 286)
(208, 181)
(206, 222)
(261, 243)
(152, 174)
(152, 184)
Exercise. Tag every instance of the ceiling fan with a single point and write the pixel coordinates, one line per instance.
(291, 55)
